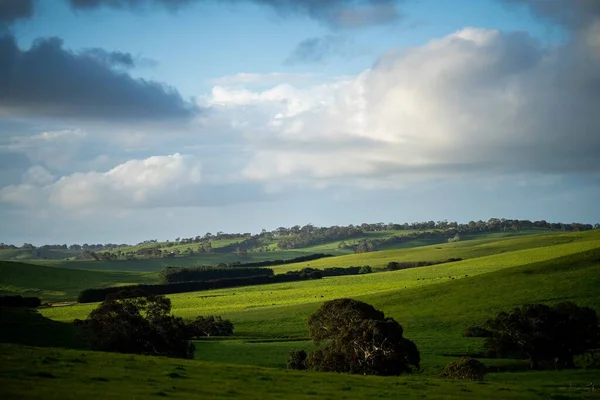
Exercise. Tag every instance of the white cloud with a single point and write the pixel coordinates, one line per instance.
(151, 182)
(134, 183)
(476, 101)
(38, 175)
(272, 78)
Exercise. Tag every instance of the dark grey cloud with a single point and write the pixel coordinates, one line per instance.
(572, 14)
(111, 58)
(12, 10)
(128, 4)
(320, 49)
(48, 80)
(336, 13)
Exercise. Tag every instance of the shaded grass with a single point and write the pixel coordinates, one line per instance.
(60, 284)
(29, 372)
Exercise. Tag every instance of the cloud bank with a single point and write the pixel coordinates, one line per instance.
(151, 182)
(13, 10)
(335, 13)
(478, 101)
(48, 80)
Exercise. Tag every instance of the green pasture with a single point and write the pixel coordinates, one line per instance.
(468, 249)
(434, 304)
(269, 299)
(33, 373)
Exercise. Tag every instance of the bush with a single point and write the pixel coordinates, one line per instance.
(466, 368)
(297, 360)
(476, 331)
(210, 326)
(20, 301)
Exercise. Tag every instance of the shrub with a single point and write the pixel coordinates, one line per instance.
(476, 331)
(297, 359)
(466, 368)
(365, 269)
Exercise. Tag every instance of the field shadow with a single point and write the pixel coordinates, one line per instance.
(30, 328)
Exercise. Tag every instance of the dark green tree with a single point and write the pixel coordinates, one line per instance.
(544, 334)
(357, 338)
(130, 323)
(210, 326)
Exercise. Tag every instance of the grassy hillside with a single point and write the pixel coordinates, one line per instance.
(433, 316)
(60, 284)
(269, 320)
(29, 372)
(489, 245)
(157, 264)
(269, 301)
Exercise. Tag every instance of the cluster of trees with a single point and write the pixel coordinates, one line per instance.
(545, 335)
(189, 274)
(301, 236)
(333, 271)
(209, 236)
(139, 323)
(309, 235)
(271, 263)
(230, 277)
(20, 301)
(354, 337)
(397, 265)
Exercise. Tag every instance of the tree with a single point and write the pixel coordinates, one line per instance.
(544, 334)
(360, 340)
(210, 326)
(133, 322)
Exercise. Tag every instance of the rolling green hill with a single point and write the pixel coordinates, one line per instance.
(433, 308)
(60, 284)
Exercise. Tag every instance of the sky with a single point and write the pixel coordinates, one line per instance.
(128, 120)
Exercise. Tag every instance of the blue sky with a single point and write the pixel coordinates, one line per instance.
(142, 123)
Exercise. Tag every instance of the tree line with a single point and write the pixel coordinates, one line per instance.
(206, 273)
(100, 294)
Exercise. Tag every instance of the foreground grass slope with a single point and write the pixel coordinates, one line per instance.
(60, 284)
(29, 372)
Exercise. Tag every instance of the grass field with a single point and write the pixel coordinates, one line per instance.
(266, 301)
(30, 372)
(434, 304)
(60, 284)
